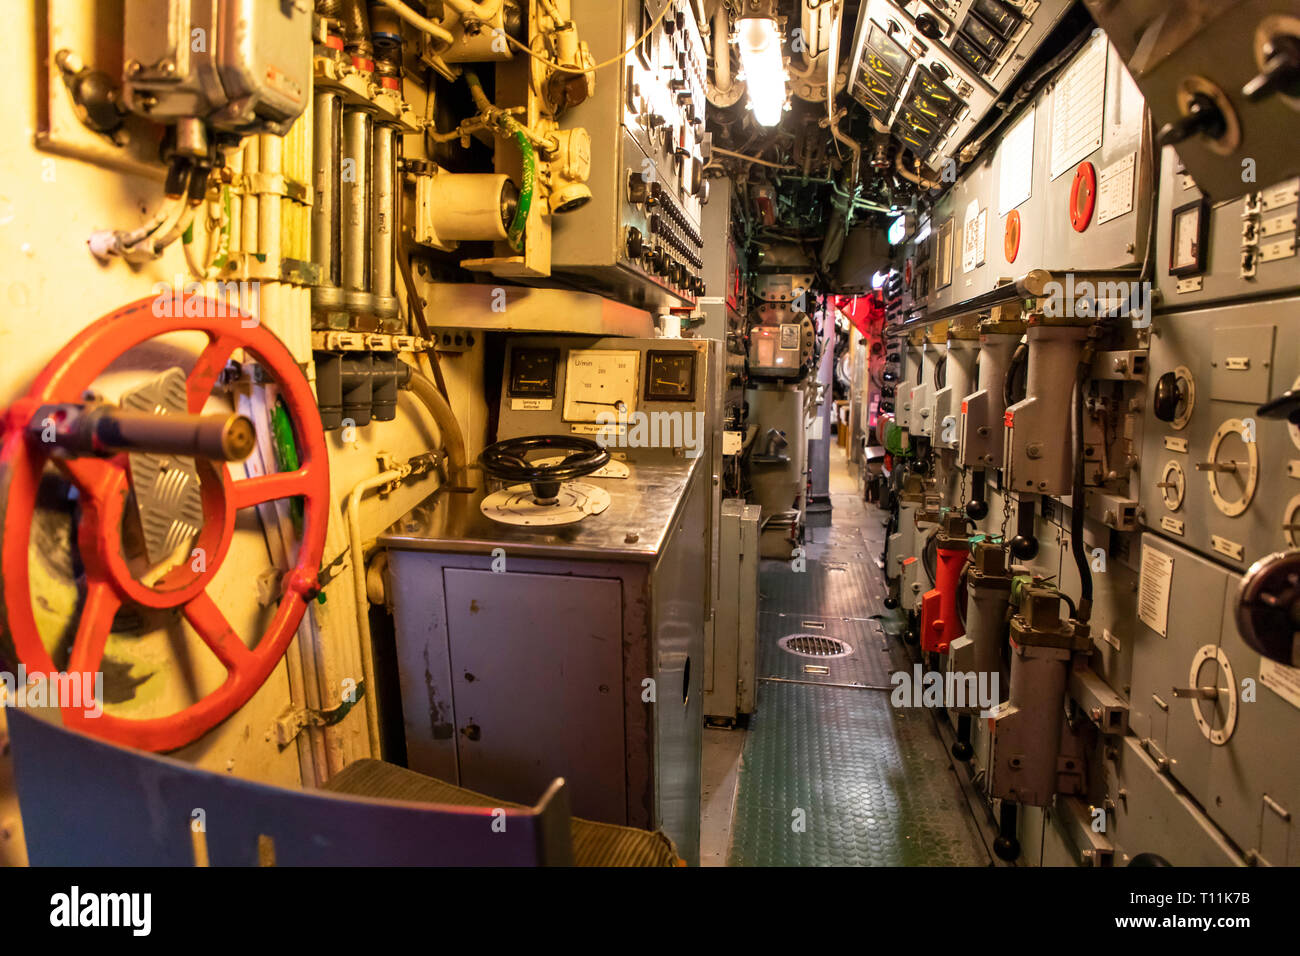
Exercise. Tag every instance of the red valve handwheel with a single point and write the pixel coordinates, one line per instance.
(103, 485)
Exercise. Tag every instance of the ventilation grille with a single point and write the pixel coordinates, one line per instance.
(814, 645)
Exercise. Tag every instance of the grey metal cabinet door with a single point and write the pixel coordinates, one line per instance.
(537, 667)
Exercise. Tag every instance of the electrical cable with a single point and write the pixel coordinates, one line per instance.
(515, 233)
(551, 64)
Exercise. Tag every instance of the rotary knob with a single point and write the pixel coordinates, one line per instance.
(635, 244)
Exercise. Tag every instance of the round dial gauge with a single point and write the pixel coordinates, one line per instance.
(1214, 701)
(1233, 468)
(600, 385)
(1173, 485)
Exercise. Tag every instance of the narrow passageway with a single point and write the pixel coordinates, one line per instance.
(830, 772)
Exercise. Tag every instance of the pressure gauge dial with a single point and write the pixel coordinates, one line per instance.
(1233, 468)
(600, 384)
(532, 373)
(1173, 485)
(670, 376)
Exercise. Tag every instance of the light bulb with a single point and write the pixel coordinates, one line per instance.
(765, 79)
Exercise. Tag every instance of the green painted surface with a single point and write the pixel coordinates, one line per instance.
(833, 776)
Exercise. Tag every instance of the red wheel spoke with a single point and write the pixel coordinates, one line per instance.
(92, 476)
(93, 629)
(206, 370)
(206, 618)
(255, 491)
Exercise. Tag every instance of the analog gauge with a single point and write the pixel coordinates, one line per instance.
(532, 373)
(998, 15)
(1189, 231)
(886, 49)
(984, 38)
(1213, 693)
(600, 383)
(1291, 523)
(969, 53)
(883, 70)
(1173, 485)
(670, 376)
(1233, 468)
(876, 88)
(919, 127)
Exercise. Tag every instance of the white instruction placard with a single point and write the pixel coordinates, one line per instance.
(1153, 590)
(1078, 106)
(1016, 174)
(1115, 189)
(1281, 680)
(973, 235)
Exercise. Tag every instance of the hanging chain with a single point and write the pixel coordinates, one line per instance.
(1006, 514)
(961, 497)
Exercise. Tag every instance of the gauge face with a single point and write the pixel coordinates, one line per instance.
(998, 15)
(670, 376)
(937, 96)
(600, 384)
(984, 38)
(532, 373)
(876, 88)
(1187, 248)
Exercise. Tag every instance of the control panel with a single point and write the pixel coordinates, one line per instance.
(930, 71)
(639, 238)
(643, 398)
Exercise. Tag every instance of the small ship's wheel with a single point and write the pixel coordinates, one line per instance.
(103, 487)
(508, 461)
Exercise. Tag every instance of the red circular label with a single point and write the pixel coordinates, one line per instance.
(1011, 237)
(1083, 196)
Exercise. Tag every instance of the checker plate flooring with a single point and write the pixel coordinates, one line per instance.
(833, 775)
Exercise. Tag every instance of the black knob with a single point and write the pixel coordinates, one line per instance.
(1281, 70)
(929, 26)
(1007, 848)
(1167, 398)
(964, 751)
(1024, 547)
(635, 247)
(978, 510)
(1203, 117)
(891, 603)
(638, 190)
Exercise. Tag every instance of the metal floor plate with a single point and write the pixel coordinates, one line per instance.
(868, 664)
(835, 776)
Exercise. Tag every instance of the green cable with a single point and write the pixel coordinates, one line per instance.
(515, 233)
(286, 455)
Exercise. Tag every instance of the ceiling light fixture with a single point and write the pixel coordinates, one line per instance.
(765, 74)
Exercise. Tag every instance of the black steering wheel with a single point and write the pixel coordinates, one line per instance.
(508, 461)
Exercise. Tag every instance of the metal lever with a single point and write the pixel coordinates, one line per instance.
(1281, 68)
(1200, 693)
(1203, 116)
(104, 430)
(1226, 467)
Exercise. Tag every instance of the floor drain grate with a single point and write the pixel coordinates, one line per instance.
(814, 645)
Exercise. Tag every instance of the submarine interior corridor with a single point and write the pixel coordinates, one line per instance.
(673, 434)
